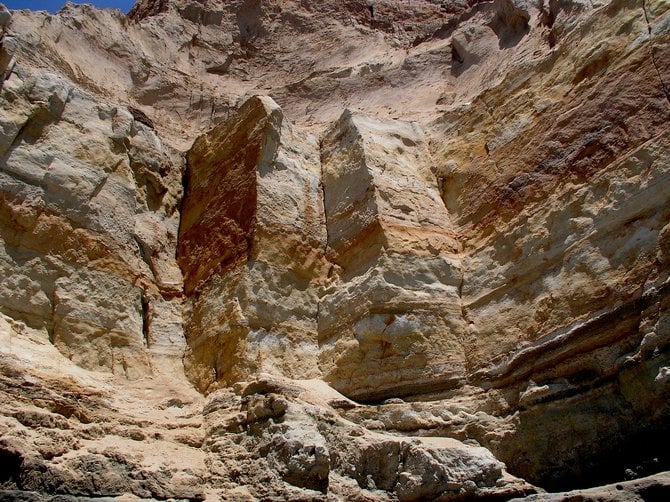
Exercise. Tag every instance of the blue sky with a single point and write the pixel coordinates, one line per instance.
(55, 5)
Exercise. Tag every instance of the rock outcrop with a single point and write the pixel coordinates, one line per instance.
(252, 245)
(352, 250)
(392, 323)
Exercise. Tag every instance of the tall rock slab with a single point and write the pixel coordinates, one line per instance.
(251, 247)
(391, 324)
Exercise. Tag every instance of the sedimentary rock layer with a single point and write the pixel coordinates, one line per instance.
(561, 199)
(391, 323)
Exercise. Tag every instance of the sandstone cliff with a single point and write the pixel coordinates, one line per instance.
(356, 250)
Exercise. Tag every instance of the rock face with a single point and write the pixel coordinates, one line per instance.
(335, 251)
(548, 306)
(90, 201)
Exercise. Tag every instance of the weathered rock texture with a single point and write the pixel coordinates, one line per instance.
(389, 250)
(90, 201)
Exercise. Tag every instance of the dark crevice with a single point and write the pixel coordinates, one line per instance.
(51, 323)
(664, 87)
(10, 465)
(141, 117)
(186, 189)
(643, 453)
(98, 188)
(146, 318)
(655, 493)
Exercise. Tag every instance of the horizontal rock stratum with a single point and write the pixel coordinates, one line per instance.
(339, 250)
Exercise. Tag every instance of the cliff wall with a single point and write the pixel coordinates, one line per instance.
(352, 250)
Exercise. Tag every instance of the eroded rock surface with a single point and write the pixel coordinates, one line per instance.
(350, 250)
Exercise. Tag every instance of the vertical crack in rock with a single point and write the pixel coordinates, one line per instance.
(666, 91)
(98, 189)
(326, 253)
(322, 189)
(51, 321)
(146, 318)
